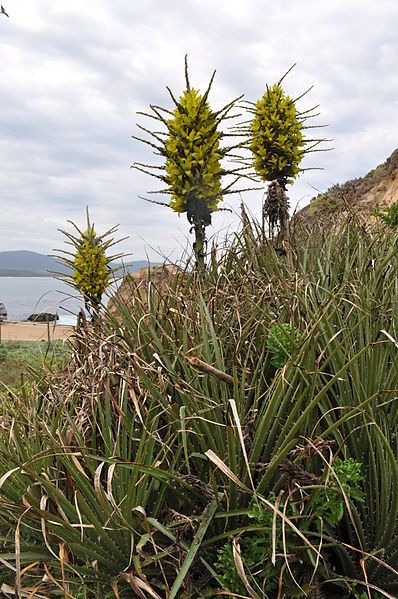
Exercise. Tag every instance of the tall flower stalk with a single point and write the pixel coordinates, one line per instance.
(191, 146)
(278, 144)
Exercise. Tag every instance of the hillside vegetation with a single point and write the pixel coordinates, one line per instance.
(232, 433)
(358, 196)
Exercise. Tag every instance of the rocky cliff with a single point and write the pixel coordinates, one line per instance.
(360, 196)
(135, 286)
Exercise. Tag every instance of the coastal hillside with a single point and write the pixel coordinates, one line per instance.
(23, 263)
(361, 196)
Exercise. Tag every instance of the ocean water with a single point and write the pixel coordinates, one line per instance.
(23, 296)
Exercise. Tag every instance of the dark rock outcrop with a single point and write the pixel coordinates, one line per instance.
(43, 317)
(3, 311)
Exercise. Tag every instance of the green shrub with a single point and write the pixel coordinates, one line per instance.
(388, 215)
(280, 343)
(314, 505)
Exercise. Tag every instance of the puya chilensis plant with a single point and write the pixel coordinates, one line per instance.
(89, 265)
(278, 144)
(191, 145)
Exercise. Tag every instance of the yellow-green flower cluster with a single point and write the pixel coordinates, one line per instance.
(277, 140)
(193, 169)
(90, 272)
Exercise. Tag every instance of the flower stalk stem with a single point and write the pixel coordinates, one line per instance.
(199, 245)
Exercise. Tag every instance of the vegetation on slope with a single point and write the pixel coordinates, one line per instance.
(351, 195)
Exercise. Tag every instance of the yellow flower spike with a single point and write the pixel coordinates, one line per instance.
(191, 146)
(277, 142)
(90, 267)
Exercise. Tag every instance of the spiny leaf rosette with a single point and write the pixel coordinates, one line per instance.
(191, 145)
(89, 265)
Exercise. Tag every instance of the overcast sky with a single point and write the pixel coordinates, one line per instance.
(74, 73)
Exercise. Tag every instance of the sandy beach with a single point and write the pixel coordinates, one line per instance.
(12, 330)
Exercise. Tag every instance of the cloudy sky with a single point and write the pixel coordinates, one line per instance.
(74, 74)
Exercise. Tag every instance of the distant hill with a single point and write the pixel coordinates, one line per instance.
(358, 196)
(26, 264)
(23, 263)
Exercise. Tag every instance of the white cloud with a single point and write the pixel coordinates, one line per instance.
(74, 75)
